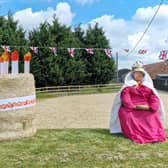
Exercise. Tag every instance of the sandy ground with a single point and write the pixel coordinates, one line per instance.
(80, 111)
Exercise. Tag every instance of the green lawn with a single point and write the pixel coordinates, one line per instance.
(81, 148)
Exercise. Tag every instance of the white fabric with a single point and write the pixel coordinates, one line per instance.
(27, 67)
(129, 81)
(1, 68)
(6, 67)
(15, 67)
(17, 103)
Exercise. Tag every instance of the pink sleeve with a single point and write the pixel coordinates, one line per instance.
(154, 102)
(126, 99)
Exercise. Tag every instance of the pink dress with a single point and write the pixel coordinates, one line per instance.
(141, 126)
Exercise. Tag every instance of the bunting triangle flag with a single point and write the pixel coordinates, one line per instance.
(34, 49)
(126, 50)
(71, 51)
(163, 54)
(142, 51)
(108, 52)
(89, 50)
(53, 50)
(6, 48)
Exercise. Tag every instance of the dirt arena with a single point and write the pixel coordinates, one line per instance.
(80, 111)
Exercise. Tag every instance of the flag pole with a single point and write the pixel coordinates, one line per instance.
(117, 61)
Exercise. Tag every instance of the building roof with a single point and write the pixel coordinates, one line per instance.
(157, 68)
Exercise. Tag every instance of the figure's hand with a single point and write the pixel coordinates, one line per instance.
(142, 107)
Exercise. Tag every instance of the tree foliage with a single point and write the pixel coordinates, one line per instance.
(49, 69)
(12, 34)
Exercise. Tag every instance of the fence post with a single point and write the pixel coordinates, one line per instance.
(117, 77)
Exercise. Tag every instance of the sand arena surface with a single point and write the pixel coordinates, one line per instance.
(79, 111)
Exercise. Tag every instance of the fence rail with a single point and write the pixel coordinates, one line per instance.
(78, 89)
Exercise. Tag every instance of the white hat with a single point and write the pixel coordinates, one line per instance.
(138, 66)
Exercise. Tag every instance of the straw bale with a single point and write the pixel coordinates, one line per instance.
(21, 122)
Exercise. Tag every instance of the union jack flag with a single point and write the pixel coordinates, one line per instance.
(6, 48)
(108, 52)
(163, 54)
(126, 50)
(89, 50)
(142, 51)
(71, 51)
(34, 49)
(53, 50)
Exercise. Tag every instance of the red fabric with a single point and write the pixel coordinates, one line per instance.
(141, 126)
(15, 55)
(1, 60)
(27, 57)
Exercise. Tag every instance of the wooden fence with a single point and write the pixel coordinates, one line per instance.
(78, 89)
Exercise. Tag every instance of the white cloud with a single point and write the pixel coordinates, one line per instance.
(145, 14)
(121, 33)
(125, 34)
(33, 19)
(84, 2)
(112, 28)
(64, 13)
(133, 38)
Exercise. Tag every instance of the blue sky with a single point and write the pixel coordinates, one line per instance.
(83, 12)
(123, 21)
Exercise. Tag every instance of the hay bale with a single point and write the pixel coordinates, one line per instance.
(17, 123)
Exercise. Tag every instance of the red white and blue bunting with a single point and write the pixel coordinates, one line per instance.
(90, 51)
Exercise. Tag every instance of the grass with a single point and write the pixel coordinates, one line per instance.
(81, 148)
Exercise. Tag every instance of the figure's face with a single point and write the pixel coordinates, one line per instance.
(138, 76)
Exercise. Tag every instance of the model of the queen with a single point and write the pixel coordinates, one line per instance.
(137, 111)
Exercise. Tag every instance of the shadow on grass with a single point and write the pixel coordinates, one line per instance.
(106, 132)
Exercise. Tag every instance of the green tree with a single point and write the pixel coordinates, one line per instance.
(100, 67)
(55, 70)
(40, 37)
(13, 35)
(49, 69)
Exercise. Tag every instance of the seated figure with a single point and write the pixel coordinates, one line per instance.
(137, 110)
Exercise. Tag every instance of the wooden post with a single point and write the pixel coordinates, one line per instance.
(117, 77)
